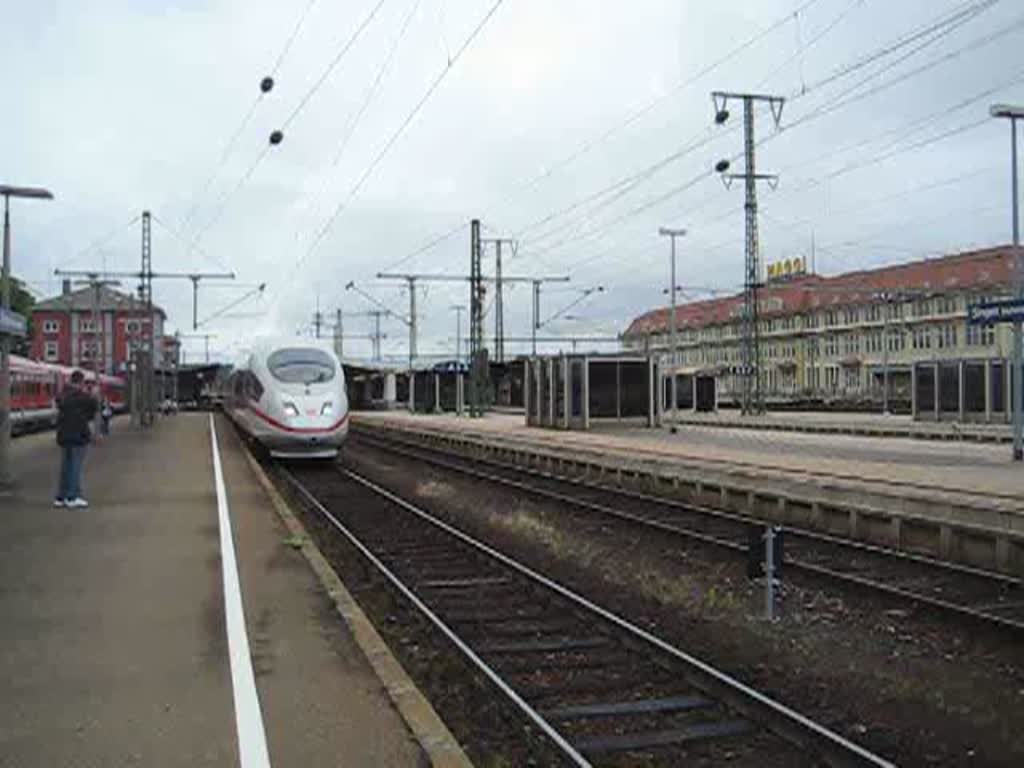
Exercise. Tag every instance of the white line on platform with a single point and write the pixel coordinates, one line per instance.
(252, 741)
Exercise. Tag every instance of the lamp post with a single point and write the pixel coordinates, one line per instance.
(1013, 114)
(673, 234)
(6, 475)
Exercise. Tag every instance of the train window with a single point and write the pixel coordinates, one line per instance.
(301, 366)
(253, 388)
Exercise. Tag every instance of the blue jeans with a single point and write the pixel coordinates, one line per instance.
(71, 459)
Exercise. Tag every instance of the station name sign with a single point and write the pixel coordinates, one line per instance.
(12, 324)
(993, 312)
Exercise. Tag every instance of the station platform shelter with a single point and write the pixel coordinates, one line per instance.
(969, 390)
(575, 391)
(696, 390)
(175, 621)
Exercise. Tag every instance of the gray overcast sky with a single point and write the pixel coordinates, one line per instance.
(121, 105)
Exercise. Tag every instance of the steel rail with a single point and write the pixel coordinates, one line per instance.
(784, 721)
(691, 507)
(828, 738)
(549, 730)
(934, 603)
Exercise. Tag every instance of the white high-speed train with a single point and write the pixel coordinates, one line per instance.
(289, 395)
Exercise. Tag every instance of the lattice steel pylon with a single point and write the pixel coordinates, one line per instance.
(148, 358)
(750, 343)
(478, 373)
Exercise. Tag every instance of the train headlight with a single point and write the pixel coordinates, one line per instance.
(290, 409)
(327, 409)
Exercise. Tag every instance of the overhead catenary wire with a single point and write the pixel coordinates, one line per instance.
(947, 21)
(947, 24)
(835, 105)
(103, 241)
(961, 14)
(226, 198)
(635, 115)
(802, 47)
(232, 143)
(399, 131)
(339, 56)
(371, 93)
(190, 247)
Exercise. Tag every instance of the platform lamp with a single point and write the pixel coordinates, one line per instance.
(673, 233)
(1013, 113)
(7, 192)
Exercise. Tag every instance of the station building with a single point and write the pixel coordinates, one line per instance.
(828, 341)
(65, 331)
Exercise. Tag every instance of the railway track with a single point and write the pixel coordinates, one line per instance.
(988, 598)
(601, 689)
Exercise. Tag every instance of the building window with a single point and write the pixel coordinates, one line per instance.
(894, 311)
(922, 338)
(87, 325)
(132, 326)
(873, 341)
(50, 352)
(922, 308)
(945, 336)
(851, 344)
(852, 378)
(980, 336)
(51, 326)
(831, 346)
(873, 314)
(947, 305)
(831, 318)
(832, 378)
(896, 342)
(850, 316)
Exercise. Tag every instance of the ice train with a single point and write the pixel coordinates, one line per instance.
(289, 396)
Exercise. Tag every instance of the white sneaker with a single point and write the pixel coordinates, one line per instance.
(59, 503)
(79, 502)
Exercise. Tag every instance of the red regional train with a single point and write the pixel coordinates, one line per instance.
(35, 387)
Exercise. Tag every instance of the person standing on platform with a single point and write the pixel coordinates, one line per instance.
(76, 409)
(106, 413)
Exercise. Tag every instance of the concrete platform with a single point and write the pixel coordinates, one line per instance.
(116, 648)
(862, 424)
(963, 500)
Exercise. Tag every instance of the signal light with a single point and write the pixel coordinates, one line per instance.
(276, 138)
(266, 84)
(722, 166)
(721, 116)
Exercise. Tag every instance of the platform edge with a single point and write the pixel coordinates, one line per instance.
(427, 727)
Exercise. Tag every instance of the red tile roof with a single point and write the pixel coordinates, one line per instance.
(984, 269)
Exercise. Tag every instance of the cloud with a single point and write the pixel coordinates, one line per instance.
(121, 105)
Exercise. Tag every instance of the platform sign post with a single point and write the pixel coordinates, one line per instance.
(996, 313)
(14, 322)
(769, 573)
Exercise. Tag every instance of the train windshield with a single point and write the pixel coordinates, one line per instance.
(301, 366)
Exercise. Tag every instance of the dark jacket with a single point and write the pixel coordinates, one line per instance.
(75, 409)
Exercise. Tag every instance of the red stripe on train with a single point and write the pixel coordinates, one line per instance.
(297, 430)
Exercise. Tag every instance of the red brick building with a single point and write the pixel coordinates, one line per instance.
(65, 328)
(839, 338)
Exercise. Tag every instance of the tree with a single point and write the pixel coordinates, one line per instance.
(22, 302)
